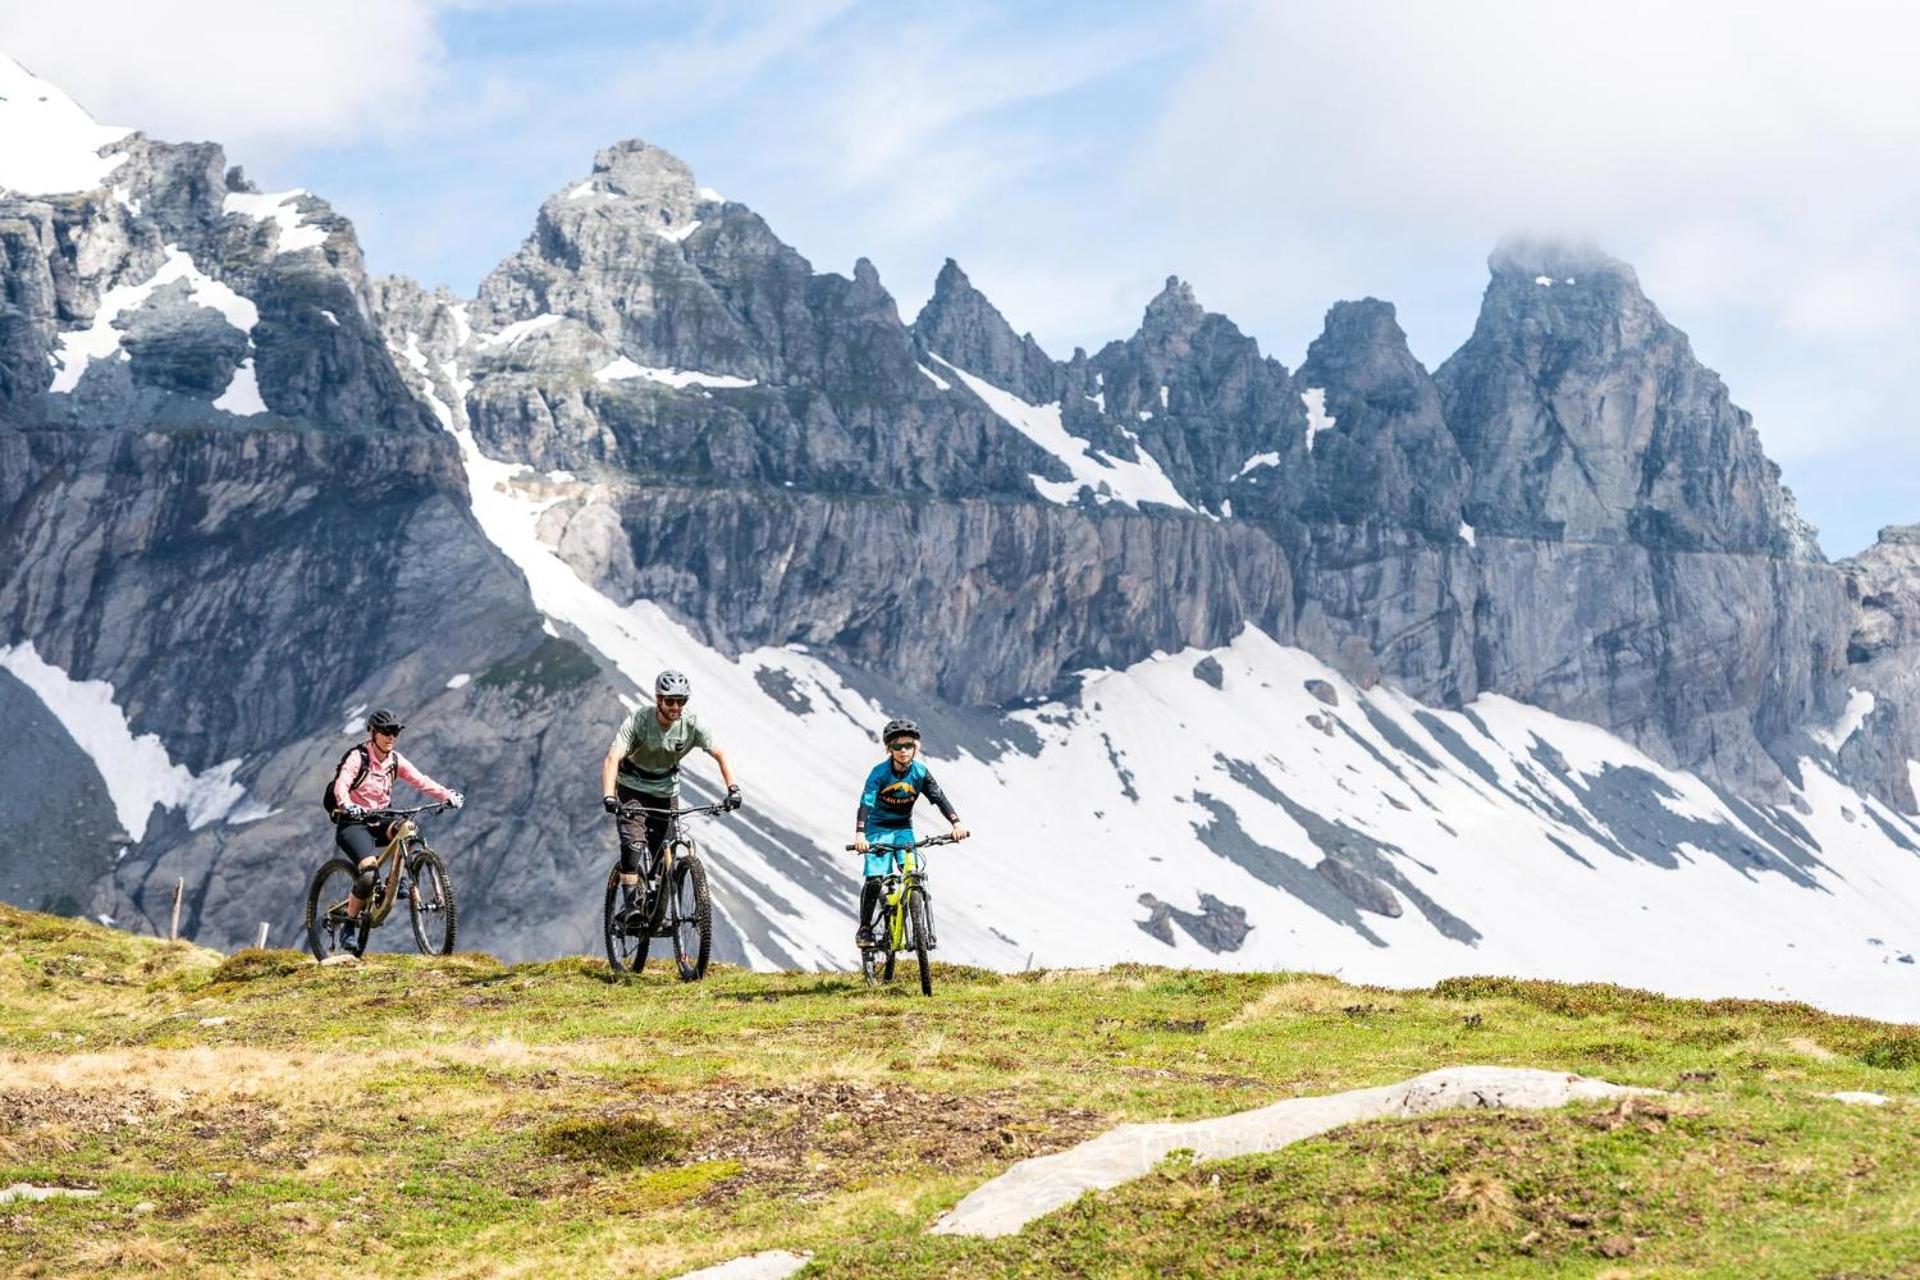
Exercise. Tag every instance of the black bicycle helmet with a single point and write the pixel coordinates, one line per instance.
(899, 729)
(384, 721)
(672, 684)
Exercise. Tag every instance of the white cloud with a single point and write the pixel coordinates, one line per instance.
(235, 71)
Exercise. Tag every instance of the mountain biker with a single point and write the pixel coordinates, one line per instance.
(884, 821)
(643, 765)
(362, 787)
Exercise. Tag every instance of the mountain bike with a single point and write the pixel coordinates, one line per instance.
(412, 871)
(669, 902)
(907, 917)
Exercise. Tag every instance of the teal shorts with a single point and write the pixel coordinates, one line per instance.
(887, 843)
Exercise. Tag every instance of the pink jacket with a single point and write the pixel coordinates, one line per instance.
(376, 789)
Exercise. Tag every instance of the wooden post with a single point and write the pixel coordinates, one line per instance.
(173, 930)
(262, 944)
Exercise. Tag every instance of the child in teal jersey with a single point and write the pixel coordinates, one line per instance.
(884, 823)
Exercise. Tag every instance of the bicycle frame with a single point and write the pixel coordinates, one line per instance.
(661, 871)
(405, 831)
(895, 889)
(394, 855)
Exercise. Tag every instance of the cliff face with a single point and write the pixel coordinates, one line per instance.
(1877, 735)
(250, 492)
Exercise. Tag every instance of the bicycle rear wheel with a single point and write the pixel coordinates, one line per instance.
(626, 931)
(329, 933)
(690, 916)
(436, 916)
(917, 934)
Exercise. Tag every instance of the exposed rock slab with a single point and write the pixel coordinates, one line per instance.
(775, 1264)
(1036, 1187)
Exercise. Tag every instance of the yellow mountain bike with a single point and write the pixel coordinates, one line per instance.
(906, 917)
(407, 869)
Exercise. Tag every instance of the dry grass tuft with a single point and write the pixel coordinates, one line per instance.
(1481, 1195)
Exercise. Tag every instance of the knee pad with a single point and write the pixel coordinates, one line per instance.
(365, 877)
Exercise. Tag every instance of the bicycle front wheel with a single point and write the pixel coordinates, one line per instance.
(436, 915)
(329, 932)
(917, 934)
(690, 913)
(626, 930)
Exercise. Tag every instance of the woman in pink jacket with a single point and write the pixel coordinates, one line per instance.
(362, 788)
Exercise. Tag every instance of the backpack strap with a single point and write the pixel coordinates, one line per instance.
(360, 775)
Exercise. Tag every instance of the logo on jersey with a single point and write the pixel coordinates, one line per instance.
(899, 795)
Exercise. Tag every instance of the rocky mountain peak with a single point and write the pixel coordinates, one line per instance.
(962, 327)
(1586, 417)
(638, 170)
(1388, 460)
(1368, 330)
(1174, 315)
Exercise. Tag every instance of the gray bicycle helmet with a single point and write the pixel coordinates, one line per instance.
(384, 721)
(672, 684)
(899, 729)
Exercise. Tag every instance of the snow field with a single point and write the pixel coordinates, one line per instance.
(49, 145)
(139, 773)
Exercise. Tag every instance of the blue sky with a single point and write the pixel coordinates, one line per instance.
(1757, 169)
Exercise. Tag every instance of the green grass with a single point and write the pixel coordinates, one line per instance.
(260, 1115)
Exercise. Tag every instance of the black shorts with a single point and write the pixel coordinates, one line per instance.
(362, 840)
(644, 833)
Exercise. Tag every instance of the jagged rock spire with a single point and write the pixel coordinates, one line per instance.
(961, 326)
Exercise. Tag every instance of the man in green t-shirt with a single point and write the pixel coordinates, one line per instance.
(643, 765)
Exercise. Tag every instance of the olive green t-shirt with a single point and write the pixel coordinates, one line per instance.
(647, 748)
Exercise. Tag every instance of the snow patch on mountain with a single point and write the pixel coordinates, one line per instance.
(1318, 419)
(75, 349)
(292, 233)
(513, 334)
(138, 771)
(49, 145)
(1107, 479)
(679, 379)
(242, 395)
(1859, 706)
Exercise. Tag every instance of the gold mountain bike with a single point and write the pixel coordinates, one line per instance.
(408, 869)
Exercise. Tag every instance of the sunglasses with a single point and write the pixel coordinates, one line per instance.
(388, 733)
(902, 746)
(673, 702)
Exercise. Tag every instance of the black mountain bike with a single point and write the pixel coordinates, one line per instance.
(906, 920)
(412, 871)
(669, 902)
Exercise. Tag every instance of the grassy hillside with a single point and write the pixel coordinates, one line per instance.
(261, 1116)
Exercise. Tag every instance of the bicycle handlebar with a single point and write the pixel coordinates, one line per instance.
(632, 807)
(374, 814)
(917, 844)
